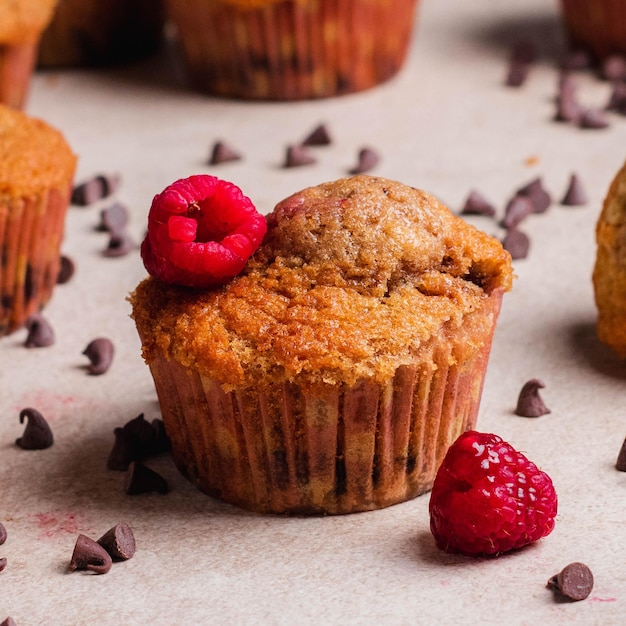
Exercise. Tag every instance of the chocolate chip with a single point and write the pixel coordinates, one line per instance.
(100, 354)
(120, 244)
(141, 479)
(567, 108)
(223, 153)
(319, 136)
(3, 534)
(529, 402)
(516, 243)
(89, 555)
(297, 156)
(516, 210)
(3, 563)
(37, 434)
(614, 68)
(119, 542)
(573, 582)
(94, 189)
(66, 270)
(9, 621)
(40, 332)
(536, 193)
(367, 160)
(517, 73)
(122, 453)
(593, 119)
(524, 51)
(476, 204)
(617, 99)
(620, 464)
(142, 436)
(575, 194)
(114, 218)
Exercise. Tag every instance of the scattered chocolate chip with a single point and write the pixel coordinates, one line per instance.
(574, 582)
(223, 153)
(319, 136)
(9, 621)
(100, 354)
(94, 189)
(40, 332)
(37, 434)
(567, 108)
(617, 99)
(122, 452)
(593, 119)
(537, 194)
(66, 270)
(89, 555)
(476, 204)
(529, 402)
(3, 563)
(141, 479)
(367, 160)
(576, 60)
(120, 244)
(142, 436)
(575, 194)
(518, 208)
(119, 542)
(614, 68)
(114, 218)
(3, 534)
(297, 156)
(620, 464)
(516, 243)
(517, 73)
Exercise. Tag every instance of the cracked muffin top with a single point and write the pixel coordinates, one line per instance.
(23, 20)
(354, 279)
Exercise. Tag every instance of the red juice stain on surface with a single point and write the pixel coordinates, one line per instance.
(50, 405)
(52, 524)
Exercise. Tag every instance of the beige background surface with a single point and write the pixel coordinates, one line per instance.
(446, 124)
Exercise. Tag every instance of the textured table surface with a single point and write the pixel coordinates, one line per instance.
(445, 124)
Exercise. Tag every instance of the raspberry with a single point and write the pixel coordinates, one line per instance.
(488, 498)
(201, 232)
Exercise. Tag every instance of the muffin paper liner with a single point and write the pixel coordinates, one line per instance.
(31, 231)
(16, 67)
(598, 26)
(292, 49)
(325, 449)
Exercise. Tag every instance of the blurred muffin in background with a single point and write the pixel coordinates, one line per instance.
(96, 33)
(21, 25)
(291, 49)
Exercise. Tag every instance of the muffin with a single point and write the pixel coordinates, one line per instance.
(609, 274)
(291, 49)
(36, 172)
(331, 375)
(598, 26)
(93, 33)
(21, 25)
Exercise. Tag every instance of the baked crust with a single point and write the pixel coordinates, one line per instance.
(22, 21)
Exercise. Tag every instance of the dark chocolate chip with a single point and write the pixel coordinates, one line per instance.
(9, 621)
(119, 542)
(37, 434)
(120, 244)
(575, 194)
(576, 60)
(66, 270)
(517, 73)
(516, 243)
(319, 136)
(122, 452)
(94, 189)
(114, 218)
(40, 332)
(567, 108)
(620, 464)
(517, 209)
(142, 436)
(90, 555)
(297, 156)
(593, 119)
(367, 160)
(141, 479)
(537, 194)
(617, 99)
(614, 68)
(3, 563)
(100, 354)
(223, 153)
(574, 582)
(476, 204)
(529, 402)
(3, 534)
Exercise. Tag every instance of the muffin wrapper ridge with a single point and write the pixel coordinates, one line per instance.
(295, 49)
(598, 26)
(16, 67)
(31, 231)
(329, 449)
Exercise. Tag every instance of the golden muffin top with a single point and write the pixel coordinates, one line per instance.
(33, 156)
(353, 279)
(23, 20)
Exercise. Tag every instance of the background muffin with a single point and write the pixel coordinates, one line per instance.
(36, 173)
(21, 25)
(291, 49)
(332, 374)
